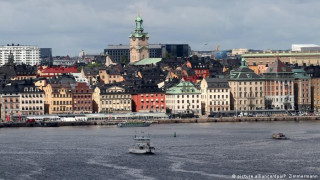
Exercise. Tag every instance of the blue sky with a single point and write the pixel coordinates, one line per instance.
(69, 26)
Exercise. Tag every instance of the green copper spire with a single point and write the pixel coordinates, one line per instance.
(139, 24)
(243, 61)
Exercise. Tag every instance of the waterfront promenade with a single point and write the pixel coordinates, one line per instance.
(163, 121)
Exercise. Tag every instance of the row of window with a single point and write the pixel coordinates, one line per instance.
(62, 102)
(218, 103)
(151, 95)
(188, 101)
(31, 102)
(31, 108)
(219, 109)
(61, 95)
(116, 102)
(188, 107)
(116, 96)
(151, 107)
(218, 90)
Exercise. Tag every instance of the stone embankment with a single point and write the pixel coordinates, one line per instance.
(164, 121)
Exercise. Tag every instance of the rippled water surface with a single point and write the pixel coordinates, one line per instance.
(200, 151)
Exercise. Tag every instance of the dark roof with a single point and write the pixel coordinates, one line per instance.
(217, 83)
(278, 67)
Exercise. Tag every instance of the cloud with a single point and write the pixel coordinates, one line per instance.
(68, 26)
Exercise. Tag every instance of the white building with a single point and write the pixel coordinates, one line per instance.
(21, 54)
(299, 47)
(183, 98)
(215, 95)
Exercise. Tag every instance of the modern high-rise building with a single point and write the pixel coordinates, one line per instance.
(22, 54)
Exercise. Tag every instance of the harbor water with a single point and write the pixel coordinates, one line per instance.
(199, 151)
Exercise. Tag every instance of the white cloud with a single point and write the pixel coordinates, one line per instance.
(71, 25)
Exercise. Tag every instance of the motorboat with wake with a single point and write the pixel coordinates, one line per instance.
(142, 145)
(279, 136)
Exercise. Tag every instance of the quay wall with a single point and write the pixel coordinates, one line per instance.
(165, 121)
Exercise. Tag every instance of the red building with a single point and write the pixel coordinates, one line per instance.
(55, 71)
(81, 98)
(148, 97)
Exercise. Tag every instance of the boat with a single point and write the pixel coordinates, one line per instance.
(133, 124)
(279, 136)
(142, 145)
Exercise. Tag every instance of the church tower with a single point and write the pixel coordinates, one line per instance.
(139, 45)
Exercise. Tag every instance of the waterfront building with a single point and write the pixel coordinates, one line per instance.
(279, 86)
(81, 98)
(112, 99)
(215, 95)
(22, 54)
(139, 45)
(58, 98)
(32, 100)
(302, 90)
(247, 89)
(290, 57)
(21, 98)
(147, 97)
(10, 103)
(183, 98)
(314, 73)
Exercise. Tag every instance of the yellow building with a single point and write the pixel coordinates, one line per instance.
(315, 90)
(58, 98)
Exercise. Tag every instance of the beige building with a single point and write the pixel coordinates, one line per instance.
(139, 45)
(291, 57)
(109, 76)
(247, 89)
(58, 98)
(112, 99)
(215, 95)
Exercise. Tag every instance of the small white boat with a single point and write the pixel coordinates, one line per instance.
(142, 145)
(279, 136)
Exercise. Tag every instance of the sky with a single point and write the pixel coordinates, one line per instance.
(69, 26)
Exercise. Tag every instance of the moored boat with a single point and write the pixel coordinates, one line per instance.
(133, 124)
(142, 145)
(279, 136)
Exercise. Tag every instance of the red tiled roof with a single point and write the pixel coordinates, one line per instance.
(278, 67)
(60, 70)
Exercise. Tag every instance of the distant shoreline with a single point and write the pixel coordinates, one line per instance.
(163, 121)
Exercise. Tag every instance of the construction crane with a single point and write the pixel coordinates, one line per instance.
(217, 48)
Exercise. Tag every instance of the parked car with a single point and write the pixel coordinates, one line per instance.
(30, 121)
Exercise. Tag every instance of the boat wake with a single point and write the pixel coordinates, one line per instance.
(177, 166)
(136, 173)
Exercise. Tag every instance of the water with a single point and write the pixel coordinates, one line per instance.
(200, 151)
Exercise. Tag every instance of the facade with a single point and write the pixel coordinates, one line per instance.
(183, 98)
(315, 93)
(147, 97)
(215, 95)
(291, 57)
(81, 98)
(176, 50)
(302, 90)
(247, 89)
(58, 98)
(108, 76)
(114, 99)
(139, 45)
(32, 100)
(21, 54)
(10, 103)
(279, 86)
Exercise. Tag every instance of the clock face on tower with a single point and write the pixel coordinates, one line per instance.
(143, 38)
(133, 38)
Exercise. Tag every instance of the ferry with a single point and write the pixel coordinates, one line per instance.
(279, 136)
(142, 145)
(133, 124)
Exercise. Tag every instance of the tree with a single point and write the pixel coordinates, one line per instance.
(124, 59)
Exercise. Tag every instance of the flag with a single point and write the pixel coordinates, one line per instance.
(19, 118)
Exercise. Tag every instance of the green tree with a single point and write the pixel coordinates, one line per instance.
(124, 59)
